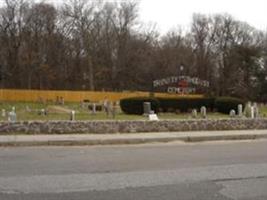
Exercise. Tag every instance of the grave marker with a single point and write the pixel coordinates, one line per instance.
(194, 113)
(203, 111)
(147, 108)
(232, 113)
(256, 110)
(93, 108)
(240, 110)
(153, 117)
(12, 116)
(72, 115)
(3, 113)
(248, 110)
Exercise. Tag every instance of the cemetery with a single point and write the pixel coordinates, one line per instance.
(135, 108)
(190, 108)
(30, 111)
(113, 73)
(130, 115)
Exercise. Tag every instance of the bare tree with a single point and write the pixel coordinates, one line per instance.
(11, 27)
(98, 45)
(79, 14)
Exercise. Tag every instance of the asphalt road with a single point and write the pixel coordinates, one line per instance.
(208, 171)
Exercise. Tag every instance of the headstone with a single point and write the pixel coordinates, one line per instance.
(72, 115)
(240, 110)
(42, 112)
(256, 110)
(153, 117)
(252, 112)
(114, 109)
(93, 109)
(194, 113)
(28, 109)
(82, 104)
(12, 117)
(3, 113)
(248, 110)
(203, 111)
(57, 100)
(62, 101)
(147, 108)
(109, 108)
(232, 113)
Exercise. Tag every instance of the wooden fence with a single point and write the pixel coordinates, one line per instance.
(73, 96)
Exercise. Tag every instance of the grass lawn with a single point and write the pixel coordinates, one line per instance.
(263, 110)
(33, 112)
(29, 111)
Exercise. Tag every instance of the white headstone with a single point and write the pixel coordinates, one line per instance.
(203, 111)
(28, 109)
(12, 117)
(3, 113)
(232, 113)
(194, 113)
(153, 117)
(248, 110)
(252, 112)
(72, 115)
(94, 109)
(42, 111)
(240, 110)
(256, 110)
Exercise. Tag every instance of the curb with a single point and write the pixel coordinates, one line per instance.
(132, 141)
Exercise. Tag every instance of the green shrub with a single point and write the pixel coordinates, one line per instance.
(226, 104)
(135, 105)
(184, 104)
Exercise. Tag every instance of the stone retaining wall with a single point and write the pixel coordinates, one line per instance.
(68, 127)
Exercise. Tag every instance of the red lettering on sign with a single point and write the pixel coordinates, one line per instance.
(183, 84)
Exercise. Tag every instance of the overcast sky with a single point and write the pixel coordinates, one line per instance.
(170, 13)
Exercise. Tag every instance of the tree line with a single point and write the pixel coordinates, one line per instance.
(98, 45)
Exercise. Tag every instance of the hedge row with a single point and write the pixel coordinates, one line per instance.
(225, 104)
(135, 105)
(182, 104)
